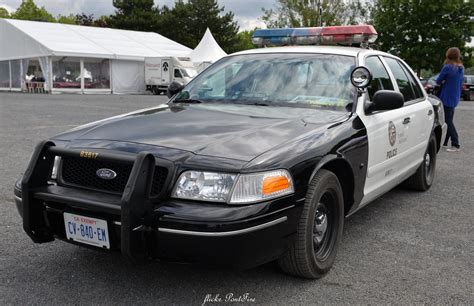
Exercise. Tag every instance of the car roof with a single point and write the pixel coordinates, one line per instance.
(348, 51)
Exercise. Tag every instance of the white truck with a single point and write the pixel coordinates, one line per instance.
(161, 71)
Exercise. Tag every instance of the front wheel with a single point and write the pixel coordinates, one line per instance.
(319, 230)
(424, 176)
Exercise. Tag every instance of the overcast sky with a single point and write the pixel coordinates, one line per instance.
(247, 12)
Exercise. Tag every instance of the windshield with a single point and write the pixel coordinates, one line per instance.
(189, 72)
(292, 80)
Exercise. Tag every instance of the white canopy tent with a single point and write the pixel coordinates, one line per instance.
(206, 52)
(78, 58)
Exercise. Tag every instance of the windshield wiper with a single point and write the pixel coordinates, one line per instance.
(251, 103)
(190, 101)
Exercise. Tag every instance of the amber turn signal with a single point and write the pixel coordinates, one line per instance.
(274, 184)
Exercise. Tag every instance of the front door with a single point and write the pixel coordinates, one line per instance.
(419, 115)
(387, 136)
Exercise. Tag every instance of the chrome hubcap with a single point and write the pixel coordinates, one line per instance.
(320, 227)
(427, 161)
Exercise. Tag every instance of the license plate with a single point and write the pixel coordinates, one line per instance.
(87, 230)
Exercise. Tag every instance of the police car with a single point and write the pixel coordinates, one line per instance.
(259, 158)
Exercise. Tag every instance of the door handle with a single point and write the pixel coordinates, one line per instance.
(406, 120)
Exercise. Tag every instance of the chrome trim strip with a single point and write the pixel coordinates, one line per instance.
(17, 198)
(270, 214)
(224, 234)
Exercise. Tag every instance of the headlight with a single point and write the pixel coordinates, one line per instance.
(206, 186)
(232, 188)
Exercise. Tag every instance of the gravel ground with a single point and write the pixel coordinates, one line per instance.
(406, 247)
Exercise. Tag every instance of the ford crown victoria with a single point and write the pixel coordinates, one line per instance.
(259, 158)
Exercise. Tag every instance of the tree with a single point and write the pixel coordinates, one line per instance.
(244, 41)
(101, 22)
(187, 22)
(71, 19)
(420, 31)
(84, 19)
(358, 12)
(311, 13)
(4, 13)
(28, 10)
(137, 15)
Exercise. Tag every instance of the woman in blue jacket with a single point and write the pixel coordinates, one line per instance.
(451, 77)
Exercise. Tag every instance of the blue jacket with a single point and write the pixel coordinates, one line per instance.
(453, 77)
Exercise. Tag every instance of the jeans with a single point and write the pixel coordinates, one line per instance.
(452, 133)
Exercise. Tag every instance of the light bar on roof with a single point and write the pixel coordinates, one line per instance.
(334, 35)
(270, 37)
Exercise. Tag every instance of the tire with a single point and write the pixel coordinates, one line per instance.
(424, 176)
(314, 249)
(156, 91)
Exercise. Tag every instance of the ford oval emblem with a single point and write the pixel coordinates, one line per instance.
(106, 174)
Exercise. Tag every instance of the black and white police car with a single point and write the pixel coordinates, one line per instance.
(259, 158)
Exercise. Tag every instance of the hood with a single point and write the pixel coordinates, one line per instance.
(240, 132)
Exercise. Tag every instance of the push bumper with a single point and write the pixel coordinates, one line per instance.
(183, 231)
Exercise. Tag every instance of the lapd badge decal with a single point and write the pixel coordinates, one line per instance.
(392, 133)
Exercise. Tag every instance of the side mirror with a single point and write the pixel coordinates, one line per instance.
(385, 100)
(361, 77)
(174, 88)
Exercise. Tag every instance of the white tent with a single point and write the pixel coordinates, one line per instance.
(78, 58)
(206, 52)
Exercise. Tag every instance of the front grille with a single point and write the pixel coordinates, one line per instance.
(81, 172)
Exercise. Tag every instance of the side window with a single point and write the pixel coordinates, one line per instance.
(401, 78)
(177, 74)
(380, 78)
(414, 84)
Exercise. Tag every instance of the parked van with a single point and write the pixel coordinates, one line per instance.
(161, 71)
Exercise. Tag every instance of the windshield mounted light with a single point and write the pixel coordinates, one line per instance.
(232, 188)
(361, 77)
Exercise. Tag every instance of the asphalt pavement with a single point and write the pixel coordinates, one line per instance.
(405, 247)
